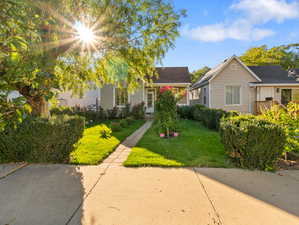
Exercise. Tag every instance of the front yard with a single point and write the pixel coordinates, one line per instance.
(197, 146)
(92, 149)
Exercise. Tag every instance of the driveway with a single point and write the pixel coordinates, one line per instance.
(98, 195)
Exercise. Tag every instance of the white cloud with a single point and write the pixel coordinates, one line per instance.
(238, 30)
(257, 12)
(262, 11)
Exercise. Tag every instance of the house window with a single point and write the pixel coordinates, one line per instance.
(232, 95)
(204, 96)
(121, 96)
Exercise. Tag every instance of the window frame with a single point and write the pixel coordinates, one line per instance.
(240, 95)
(115, 97)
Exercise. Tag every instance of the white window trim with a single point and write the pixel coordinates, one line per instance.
(114, 102)
(234, 85)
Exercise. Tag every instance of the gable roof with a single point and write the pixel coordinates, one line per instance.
(210, 75)
(274, 75)
(173, 75)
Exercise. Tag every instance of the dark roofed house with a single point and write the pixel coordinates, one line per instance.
(234, 86)
(110, 96)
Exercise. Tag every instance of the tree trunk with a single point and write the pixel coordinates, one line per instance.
(38, 103)
(39, 106)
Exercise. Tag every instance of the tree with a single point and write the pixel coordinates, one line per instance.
(261, 56)
(41, 51)
(197, 74)
(291, 60)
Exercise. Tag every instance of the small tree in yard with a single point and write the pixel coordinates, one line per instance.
(166, 112)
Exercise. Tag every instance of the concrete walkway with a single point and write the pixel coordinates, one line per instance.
(122, 152)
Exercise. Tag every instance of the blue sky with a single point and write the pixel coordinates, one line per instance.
(216, 29)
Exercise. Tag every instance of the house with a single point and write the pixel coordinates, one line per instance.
(110, 96)
(234, 86)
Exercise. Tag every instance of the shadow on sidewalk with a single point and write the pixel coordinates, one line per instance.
(275, 189)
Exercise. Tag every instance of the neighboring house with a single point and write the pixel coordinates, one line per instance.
(234, 86)
(109, 96)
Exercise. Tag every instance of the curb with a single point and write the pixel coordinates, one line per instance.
(13, 170)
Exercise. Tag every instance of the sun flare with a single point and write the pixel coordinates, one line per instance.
(84, 33)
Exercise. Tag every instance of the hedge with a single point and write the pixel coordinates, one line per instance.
(41, 140)
(208, 116)
(254, 143)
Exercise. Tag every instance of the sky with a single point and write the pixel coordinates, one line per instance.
(217, 29)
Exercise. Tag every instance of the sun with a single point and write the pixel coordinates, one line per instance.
(84, 33)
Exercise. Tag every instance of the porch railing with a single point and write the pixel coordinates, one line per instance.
(261, 106)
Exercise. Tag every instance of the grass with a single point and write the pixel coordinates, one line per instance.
(197, 146)
(93, 149)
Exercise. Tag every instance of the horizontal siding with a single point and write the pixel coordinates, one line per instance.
(233, 74)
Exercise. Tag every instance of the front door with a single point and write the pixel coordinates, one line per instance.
(150, 101)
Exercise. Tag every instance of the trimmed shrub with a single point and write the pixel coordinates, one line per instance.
(115, 126)
(123, 123)
(105, 132)
(211, 117)
(186, 112)
(41, 140)
(130, 120)
(254, 143)
(138, 111)
(125, 112)
(112, 113)
(62, 110)
(90, 116)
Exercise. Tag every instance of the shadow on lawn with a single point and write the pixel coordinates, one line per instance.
(46, 194)
(277, 189)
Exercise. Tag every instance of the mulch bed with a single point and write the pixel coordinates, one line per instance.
(292, 163)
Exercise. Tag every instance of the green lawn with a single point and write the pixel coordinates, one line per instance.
(197, 146)
(92, 149)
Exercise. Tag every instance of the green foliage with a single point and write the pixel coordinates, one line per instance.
(115, 126)
(113, 113)
(138, 111)
(289, 120)
(41, 140)
(90, 116)
(261, 56)
(130, 119)
(254, 143)
(39, 53)
(105, 132)
(196, 75)
(123, 123)
(125, 112)
(208, 116)
(12, 111)
(166, 112)
(186, 112)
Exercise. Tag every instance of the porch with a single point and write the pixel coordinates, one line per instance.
(270, 96)
(151, 94)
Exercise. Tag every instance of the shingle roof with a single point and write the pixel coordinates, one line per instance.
(205, 79)
(273, 74)
(267, 74)
(173, 75)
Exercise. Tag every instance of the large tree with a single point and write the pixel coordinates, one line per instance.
(286, 56)
(261, 56)
(48, 45)
(197, 74)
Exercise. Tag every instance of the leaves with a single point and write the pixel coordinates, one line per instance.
(39, 52)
